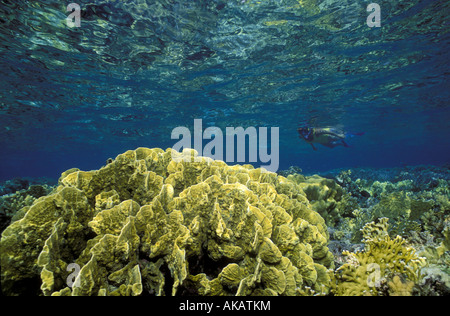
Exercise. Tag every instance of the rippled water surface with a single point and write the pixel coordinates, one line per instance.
(134, 70)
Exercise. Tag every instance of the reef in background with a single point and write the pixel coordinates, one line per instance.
(409, 204)
(18, 184)
(18, 194)
(151, 224)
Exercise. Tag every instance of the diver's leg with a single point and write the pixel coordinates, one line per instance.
(348, 134)
(345, 144)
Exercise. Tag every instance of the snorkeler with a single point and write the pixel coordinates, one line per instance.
(328, 137)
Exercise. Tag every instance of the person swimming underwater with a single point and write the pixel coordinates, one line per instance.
(328, 137)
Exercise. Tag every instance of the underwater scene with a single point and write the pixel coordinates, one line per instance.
(225, 148)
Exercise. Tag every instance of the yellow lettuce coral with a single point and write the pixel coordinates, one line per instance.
(399, 288)
(382, 259)
(24, 240)
(161, 222)
(325, 195)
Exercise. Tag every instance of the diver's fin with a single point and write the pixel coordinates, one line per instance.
(355, 134)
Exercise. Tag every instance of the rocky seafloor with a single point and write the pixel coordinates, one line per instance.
(149, 224)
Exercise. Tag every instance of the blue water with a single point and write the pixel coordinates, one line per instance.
(135, 70)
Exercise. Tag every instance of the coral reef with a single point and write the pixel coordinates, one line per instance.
(408, 206)
(399, 288)
(154, 222)
(436, 275)
(415, 199)
(382, 261)
(14, 205)
(148, 223)
(294, 170)
(18, 184)
(326, 197)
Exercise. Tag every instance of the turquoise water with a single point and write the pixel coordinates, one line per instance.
(135, 70)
